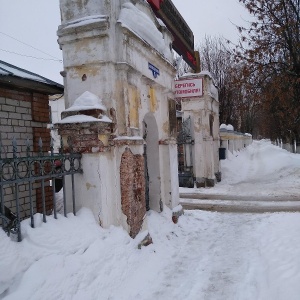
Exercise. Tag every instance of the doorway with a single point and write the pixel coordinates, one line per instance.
(151, 157)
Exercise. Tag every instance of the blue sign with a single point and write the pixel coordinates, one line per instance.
(155, 71)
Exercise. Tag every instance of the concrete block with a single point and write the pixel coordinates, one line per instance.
(23, 110)
(6, 129)
(3, 115)
(25, 104)
(12, 115)
(4, 121)
(200, 182)
(8, 108)
(210, 182)
(26, 117)
(12, 102)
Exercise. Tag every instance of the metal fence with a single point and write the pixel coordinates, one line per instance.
(30, 178)
(185, 144)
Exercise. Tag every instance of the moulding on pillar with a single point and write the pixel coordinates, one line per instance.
(85, 127)
(171, 141)
(85, 137)
(127, 141)
(84, 28)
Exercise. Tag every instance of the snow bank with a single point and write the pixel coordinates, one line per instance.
(205, 256)
(259, 169)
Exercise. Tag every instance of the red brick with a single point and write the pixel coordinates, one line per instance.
(133, 190)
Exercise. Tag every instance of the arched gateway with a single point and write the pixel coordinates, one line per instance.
(118, 76)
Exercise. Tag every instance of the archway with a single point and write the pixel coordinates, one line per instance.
(152, 170)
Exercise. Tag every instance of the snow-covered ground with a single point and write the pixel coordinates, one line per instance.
(261, 170)
(207, 255)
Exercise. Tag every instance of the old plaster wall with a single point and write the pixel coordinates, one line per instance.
(106, 57)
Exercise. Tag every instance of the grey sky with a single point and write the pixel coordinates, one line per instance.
(35, 22)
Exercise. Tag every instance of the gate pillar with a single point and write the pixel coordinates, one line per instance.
(203, 111)
(112, 170)
(109, 51)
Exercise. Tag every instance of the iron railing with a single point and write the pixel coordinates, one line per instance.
(28, 173)
(185, 144)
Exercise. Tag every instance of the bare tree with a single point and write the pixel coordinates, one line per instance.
(270, 55)
(216, 57)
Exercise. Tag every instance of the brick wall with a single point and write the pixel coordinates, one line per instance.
(132, 176)
(23, 115)
(48, 200)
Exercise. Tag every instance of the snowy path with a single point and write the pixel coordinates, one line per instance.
(261, 178)
(232, 256)
(206, 256)
(212, 261)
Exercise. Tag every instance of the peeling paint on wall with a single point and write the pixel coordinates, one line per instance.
(134, 100)
(166, 127)
(153, 100)
(88, 186)
(119, 95)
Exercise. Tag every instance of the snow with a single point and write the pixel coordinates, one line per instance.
(206, 255)
(141, 24)
(8, 69)
(87, 101)
(81, 119)
(230, 127)
(161, 23)
(177, 209)
(261, 169)
(123, 137)
(203, 73)
(223, 126)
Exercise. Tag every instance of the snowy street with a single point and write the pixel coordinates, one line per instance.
(206, 256)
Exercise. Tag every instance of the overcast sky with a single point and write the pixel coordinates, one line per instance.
(35, 22)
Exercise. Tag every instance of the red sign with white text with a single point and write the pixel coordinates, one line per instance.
(189, 88)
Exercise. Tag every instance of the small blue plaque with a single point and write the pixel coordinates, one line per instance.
(155, 71)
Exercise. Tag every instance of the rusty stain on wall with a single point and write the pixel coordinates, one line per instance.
(133, 97)
(88, 186)
(119, 95)
(104, 139)
(153, 100)
(166, 127)
(89, 71)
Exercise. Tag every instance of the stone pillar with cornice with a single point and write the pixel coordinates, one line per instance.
(203, 109)
(119, 52)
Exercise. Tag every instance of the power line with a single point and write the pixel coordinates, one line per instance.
(30, 56)
(29, 45)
